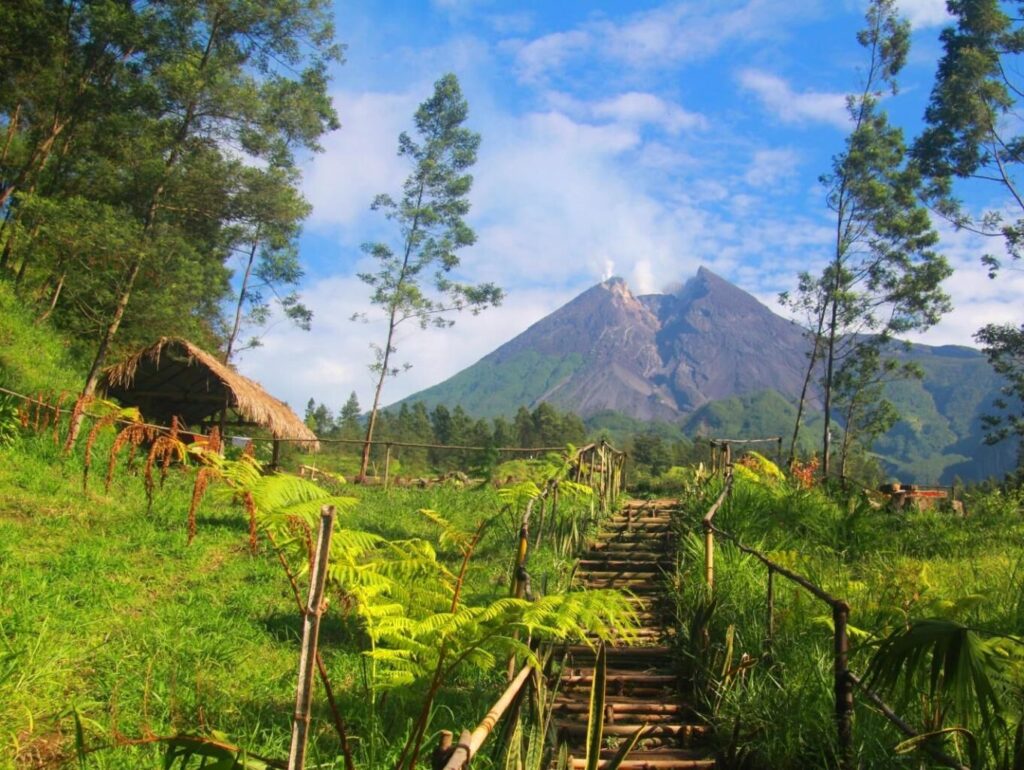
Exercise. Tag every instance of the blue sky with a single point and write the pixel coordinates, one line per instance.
(640, 139)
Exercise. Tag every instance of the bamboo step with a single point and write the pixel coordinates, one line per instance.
(606, 561)
(661, 502)
(644, 547)
(620, 574)
(669, 759)
(581, 651)
(686, 732)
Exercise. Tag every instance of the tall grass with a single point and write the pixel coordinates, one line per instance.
(893, 568)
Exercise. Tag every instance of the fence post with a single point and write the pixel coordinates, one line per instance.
(778, 453)
(387, 466)
(709, 555)
(770, 638)
(310, 634)
(843, 686)
(519, 584)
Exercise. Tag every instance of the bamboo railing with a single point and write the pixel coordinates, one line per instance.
(844, 680)
(600, 466)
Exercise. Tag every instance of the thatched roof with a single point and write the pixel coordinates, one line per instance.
(174, 377)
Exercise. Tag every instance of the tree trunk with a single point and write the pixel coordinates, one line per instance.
(372, 423)
(53, 299)
(826, 444)
(36, 161)
(803, 391)
(92, 379)
(230, 348)
(12, 128)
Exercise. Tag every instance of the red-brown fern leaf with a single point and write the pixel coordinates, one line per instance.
(202, 479)
(80, 403)
(174, 436)
(130, 436)
(57, 411)
(45, 421)
(250, 508)
(38, 404)
(101, 423)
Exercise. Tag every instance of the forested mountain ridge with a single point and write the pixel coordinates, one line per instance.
(713, 360)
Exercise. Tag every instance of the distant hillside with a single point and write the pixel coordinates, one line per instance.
(712, 360)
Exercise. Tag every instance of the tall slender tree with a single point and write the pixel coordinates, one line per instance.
(883, 276)
(267, 213)
(414, 280)
(974, 133)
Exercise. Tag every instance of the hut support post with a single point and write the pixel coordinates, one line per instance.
(275, 460)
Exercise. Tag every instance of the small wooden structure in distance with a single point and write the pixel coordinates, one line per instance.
(173, 377)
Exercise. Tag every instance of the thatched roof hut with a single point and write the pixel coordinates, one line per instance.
(174, 377)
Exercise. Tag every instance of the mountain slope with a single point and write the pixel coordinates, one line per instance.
(713, 360)
(653, 357)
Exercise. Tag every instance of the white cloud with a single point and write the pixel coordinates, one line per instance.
(537, 57)
(360, 160)
(769, 168)
(643, 108)
(662, 36)
(794, 107)
(630, 109)
(924, 13)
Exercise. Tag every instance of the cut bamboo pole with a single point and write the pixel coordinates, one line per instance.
(310, 635)
(469, 743)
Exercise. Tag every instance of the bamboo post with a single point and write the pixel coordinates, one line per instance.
(770, 619)
(709, 555)
(310, 634)
(518, 583)
(443, 751)
(843, 687)
(387, 466)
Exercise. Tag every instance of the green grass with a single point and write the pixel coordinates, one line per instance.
(33, 358)
(108, 611)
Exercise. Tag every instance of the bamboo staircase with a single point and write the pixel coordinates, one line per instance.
(632, 552)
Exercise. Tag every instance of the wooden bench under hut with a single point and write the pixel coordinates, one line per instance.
(175, 378)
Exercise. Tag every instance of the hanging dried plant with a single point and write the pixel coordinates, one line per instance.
(164, 448)
(205, 446)
(133, 435)
(57, 411)
(76, 413)
(38, 404)
(250, 508)
(175, 436)
(202, 481)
